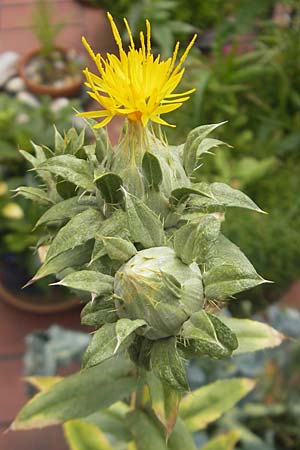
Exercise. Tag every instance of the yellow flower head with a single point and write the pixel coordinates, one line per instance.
(135, 85)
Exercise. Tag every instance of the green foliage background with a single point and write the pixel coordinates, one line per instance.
(257, 91)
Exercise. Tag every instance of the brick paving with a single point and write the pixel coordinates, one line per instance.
(16, 34)
(14, 325)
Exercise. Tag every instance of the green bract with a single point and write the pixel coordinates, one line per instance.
(157, 286)
(136, 232)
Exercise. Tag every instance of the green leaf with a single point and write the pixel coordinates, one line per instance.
(164, 402)
(253, 336)
(184, 242)
(145, 431)
(209, 335)
(108, 339)
(43, 383)
(29, 157)
(75, 140)
(72, 169)
(181, 438)
(112, 421)
(208, 403)
(167, 364)
(78, 395)
(223, 442)
(59, 142)
(39, 157)
(109, 184)
(145, 227)
(35, 194)
(140, 350)
(81, 435)
(71, 258)
(80, 229)
(180, 194)
(118, 248)
(227, 271)
(147, 434)
(125, 327)
(220, 195)
(99, 311)
(66, 209)
(204, 147)
(193, 240)
(152, 170)
(87, 280)
(114, 226)
(90, 151)
(102, 142)
(65, 189)
(192, 148)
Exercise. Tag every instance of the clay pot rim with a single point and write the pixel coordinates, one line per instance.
(19, 302)
(43, 89)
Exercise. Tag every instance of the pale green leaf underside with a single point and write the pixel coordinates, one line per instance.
(208, 403)
(82, 435)
(78, 395)
(252, 335)
(223, 442)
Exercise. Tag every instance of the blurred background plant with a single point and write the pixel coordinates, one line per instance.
(253, 81)
(51, 65)
(43, 27)
(18, 215)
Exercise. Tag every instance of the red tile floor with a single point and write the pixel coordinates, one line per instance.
(15, 34)
(14, 325)
(15, 23)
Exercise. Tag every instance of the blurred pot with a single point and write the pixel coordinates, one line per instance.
(69, 90)
(33, 299)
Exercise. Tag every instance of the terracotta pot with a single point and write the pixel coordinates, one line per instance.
(42, 89)
(38, 304)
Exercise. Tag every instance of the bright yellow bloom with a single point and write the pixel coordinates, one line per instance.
(135, 85)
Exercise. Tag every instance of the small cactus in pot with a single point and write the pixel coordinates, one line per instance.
(134, 229)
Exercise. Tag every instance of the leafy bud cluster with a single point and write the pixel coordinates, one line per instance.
(137, 234)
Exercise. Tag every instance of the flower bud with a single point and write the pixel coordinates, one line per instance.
(155, 285)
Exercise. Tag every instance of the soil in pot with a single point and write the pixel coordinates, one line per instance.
(37, 298)
(57, 73)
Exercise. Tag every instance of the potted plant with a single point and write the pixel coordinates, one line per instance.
(18, 215)
(142, 243)
(51, 69)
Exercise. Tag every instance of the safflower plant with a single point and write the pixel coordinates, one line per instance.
(136, 232)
